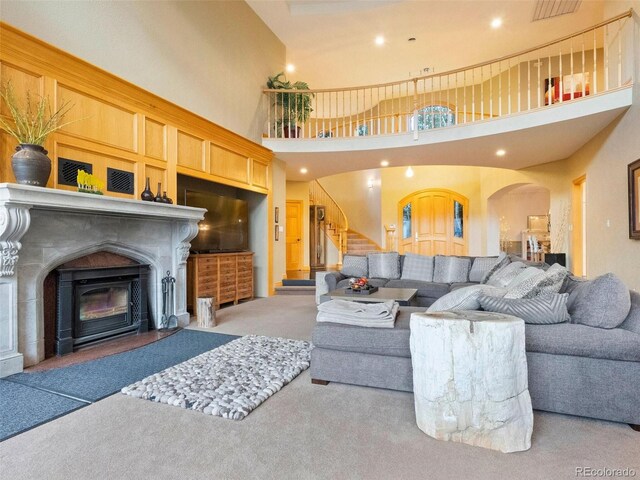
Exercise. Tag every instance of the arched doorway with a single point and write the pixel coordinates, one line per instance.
(433, 222)
(516, 214)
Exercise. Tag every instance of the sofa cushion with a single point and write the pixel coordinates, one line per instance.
(632, 322)
(384, 265)
(355, 266)
(603, 302)
(417, 267)
(480, 267)
(379, 341)
(465, 298)
(456, 286)
(374, 282)
(583, 341)
(571, 283)
(544, 309)
(450, 269)
(425, 289)
(523, 275)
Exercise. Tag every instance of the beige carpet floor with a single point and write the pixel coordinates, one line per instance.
(303, 432)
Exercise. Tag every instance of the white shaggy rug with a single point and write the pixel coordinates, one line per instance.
(228, 381)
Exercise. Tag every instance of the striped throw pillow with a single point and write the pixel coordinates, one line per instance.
(417, 267)
(543, 310)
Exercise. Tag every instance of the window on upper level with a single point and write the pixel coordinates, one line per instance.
(434, 116)
(362, 130)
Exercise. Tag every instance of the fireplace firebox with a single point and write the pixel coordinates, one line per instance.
(95, 304)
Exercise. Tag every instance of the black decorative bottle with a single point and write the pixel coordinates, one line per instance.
(159, 198)
(147, 194)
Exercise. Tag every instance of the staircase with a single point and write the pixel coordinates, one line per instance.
(335, 221)
(358, 244)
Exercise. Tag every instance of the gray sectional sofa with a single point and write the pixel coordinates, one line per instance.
(574, 368)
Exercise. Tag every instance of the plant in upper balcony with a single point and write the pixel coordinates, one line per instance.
(30, 122)
(293, 109)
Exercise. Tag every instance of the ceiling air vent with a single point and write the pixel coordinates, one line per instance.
(552, 8)
(68, 171)
(119, 181)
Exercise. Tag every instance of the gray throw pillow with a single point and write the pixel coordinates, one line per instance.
(450, 269)
(503, 260)
(384, 265)
(465, 298)
(543, 283)
(418, 267)
(480, 267)
(603, 302)
(355, 266)
(506, 274)
(544, 310)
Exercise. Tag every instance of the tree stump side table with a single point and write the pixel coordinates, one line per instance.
(206, 312)
(470, 379)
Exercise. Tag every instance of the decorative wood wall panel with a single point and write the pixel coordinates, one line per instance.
(155, 139)
(191, 151)
(22, 81)
(227, 164)
(259, 176)
(98, 120)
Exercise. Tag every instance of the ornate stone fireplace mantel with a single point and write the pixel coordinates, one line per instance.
(41, 228)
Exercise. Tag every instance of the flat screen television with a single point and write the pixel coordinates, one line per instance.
(225, 227)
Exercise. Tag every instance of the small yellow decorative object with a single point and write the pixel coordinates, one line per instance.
(88, 183)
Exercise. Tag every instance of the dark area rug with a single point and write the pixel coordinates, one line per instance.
(89, 382)
(22, 408)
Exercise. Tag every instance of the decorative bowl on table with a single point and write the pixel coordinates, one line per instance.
(360, 286)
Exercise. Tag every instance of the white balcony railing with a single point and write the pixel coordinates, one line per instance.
(594, 60)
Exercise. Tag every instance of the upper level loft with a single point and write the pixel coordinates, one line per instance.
(539, 105)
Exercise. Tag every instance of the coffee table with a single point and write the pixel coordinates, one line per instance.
(404, 296)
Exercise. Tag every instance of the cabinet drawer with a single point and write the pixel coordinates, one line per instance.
(208, 268)
(207, 291)
(245, 293)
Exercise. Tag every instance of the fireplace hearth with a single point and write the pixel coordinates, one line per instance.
(96, 304)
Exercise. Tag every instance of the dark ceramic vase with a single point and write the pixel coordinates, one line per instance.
(158, 197)
(31, 166)
(147, 195)
(166, 199)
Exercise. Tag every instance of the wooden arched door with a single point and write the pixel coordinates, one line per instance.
(433, 222)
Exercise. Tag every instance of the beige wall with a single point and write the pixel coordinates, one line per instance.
(211, 58)
(300, 191)
(360, 203)
(279, 196)
(516, 205)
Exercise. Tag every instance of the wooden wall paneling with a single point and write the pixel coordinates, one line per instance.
(7, 148)
(228, 164)
(22, 81)
(155, 139)
(100, 162)
(259, 174)
(191, 151)
(98, 120)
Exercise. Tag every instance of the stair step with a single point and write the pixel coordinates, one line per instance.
(298, 282)
(296, 290)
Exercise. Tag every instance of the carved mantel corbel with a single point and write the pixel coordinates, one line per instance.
(14, 223)
(188, 232)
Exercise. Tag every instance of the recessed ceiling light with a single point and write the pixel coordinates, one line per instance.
(496, 22)
(501, 153)
(384, 163)
(379, 40)
(303, 170)
(409, 172)
(412, 39)
(291, 67)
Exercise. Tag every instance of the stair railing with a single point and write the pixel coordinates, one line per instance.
(594, 60)
(334, 216)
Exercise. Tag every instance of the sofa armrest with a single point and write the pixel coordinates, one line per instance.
(326, 282)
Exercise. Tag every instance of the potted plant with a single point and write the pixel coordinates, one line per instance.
(294, 108)
(30, 124)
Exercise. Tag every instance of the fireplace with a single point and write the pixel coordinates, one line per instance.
(95, 304)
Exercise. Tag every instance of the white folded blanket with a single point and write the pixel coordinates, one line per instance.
(380, 315)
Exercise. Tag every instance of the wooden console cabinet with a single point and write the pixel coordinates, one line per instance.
(228, 277)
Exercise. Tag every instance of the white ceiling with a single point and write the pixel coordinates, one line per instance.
(331, 42)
